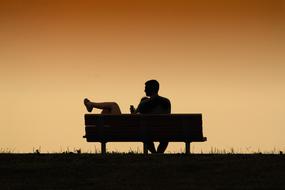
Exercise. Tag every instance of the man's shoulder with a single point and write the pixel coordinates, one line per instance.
(157, 104)
(163, 99)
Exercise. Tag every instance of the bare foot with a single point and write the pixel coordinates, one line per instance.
(88, 105)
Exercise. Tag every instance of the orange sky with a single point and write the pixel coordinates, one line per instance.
(224, 59)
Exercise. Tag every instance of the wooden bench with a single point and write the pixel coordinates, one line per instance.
(144, 127)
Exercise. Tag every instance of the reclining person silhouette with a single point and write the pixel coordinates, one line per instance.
(152, 104)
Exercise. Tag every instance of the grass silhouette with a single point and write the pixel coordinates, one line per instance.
(71, 170)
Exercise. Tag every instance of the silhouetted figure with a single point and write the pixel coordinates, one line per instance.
(152, 104)
(155, 104)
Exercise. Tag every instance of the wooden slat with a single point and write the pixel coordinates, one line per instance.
(141, 127)
(137, 139)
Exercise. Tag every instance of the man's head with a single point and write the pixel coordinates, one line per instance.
(151, 87)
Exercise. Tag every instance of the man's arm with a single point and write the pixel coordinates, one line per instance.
(141, 106)
(132, 109)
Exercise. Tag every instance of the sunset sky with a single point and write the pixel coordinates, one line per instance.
(224, 59)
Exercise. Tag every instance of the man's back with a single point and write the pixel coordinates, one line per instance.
(155, 105)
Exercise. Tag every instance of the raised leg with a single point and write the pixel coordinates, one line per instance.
(106, 107)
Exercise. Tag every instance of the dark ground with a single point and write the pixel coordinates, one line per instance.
(136, 171)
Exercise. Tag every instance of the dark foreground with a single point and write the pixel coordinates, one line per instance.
(135, 171)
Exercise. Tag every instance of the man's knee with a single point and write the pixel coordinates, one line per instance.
(115, 108)
(114, 104)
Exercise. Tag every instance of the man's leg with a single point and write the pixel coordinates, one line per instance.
(162, 147)
(150, 146)
(106, 107)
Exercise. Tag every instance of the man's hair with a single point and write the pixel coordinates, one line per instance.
(153, 84)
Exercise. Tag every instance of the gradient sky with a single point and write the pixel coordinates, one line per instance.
(225, 59)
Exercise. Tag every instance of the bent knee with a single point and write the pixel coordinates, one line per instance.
(114, 104)
(115, 108)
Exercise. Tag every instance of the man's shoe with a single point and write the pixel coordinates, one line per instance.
(88, 105)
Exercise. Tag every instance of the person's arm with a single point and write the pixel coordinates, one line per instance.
(140, 106)
(132, 109)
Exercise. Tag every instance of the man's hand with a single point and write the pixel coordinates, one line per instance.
(132, 109)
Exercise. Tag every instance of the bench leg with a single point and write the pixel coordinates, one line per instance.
(103, 148)
(187, 147)
(145, 151)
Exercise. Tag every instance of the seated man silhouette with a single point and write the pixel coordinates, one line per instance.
(152, 104)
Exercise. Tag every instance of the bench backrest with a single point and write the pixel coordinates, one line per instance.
(143, 127)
